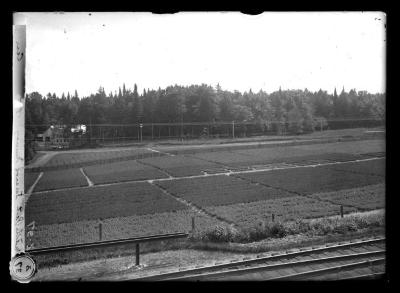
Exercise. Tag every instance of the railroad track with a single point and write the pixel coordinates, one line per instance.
(363, 259)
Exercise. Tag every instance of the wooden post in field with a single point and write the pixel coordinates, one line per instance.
(100, 230)
(341, 211)
(273, 217)
(233, 129)
(193, 226)
(152, 129)
(137, 250)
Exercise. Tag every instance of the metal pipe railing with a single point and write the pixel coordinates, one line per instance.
(102, 244)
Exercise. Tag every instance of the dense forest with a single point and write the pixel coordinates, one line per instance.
(201, 103)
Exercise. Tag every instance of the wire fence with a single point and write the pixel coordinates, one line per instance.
(61, 136)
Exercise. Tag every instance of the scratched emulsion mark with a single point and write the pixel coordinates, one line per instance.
(18, 194)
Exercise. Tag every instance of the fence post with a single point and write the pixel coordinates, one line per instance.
(341, 211)
(233, 129)
(137, 250)
(273, 217)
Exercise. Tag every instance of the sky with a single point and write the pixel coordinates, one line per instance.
(83, 51)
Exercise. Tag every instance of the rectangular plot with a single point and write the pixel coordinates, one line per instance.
(121, 171)
(324, 158)
(368, 197)
(215, 170)
(310, 180)
(271, 166)
(61, 179)
(29, 179)
(293, 155)
(65, 159)
(180, 166)
(373, 155)
(120, 228)
(348, 147)
(228, 158)
(99, 202)
(285, 209)
(374, 167)
(220, 190)
(239, 168)
(276, 154)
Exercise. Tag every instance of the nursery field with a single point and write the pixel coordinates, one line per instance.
(311, 180)
(121, 171)
(61, 179)
(347, 147)
(374, 167)
(85, 231)
(363, 198)
(291, 154)
(29, 179)
(95, 156)
(220, 190)
(299, 207)
(179, 166)
(238, 187)
(98, 202)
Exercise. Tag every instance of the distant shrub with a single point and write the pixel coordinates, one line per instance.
(219, 234)
(298, 226)
(277, 229)
(323, 227)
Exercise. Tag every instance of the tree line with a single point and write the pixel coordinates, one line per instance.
(299, 109)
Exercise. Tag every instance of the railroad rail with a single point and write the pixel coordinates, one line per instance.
(339, 261)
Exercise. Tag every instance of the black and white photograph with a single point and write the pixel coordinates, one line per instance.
(198, 146)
